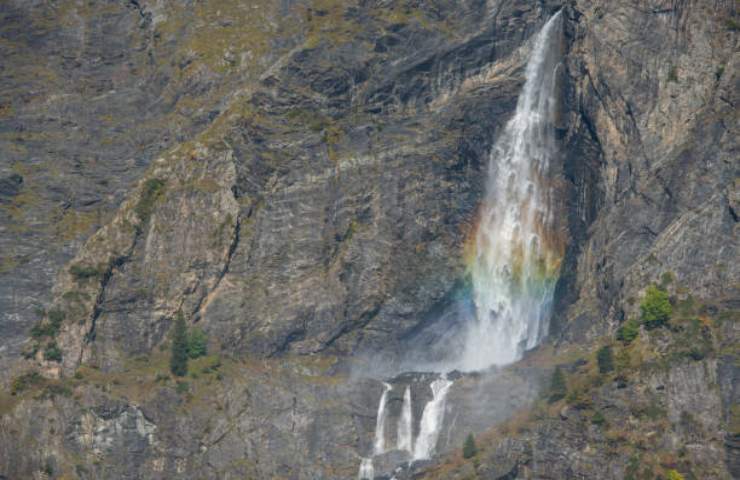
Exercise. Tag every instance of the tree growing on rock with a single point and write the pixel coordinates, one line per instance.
(655, 308)
(179, 352)
(558, 387)
(197, 343)
(605, 359)
(469, 448)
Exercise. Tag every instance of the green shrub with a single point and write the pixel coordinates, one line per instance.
(179, 351)
(674, 475)
(628, 331)
(182, 387)
(598, 418)
(605, 359)
(26, 381)
(48, 328)
(558, 388)
(43, 329)
(673, 74)
(84, 272)
(469, 448)
(655, 308)
(151, 191)
(197, 343)
(52, 353)
(718, 73)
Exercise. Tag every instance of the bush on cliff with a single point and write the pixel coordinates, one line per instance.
(52, 353)
(179, 351)
(628, 331)
(197, 343)
(469, 448)
(605, 359)
(655, 308)
(558, 388)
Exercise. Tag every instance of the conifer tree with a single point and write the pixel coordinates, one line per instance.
(469, 448)
(558, 388)
(179, 353)
(605, 359)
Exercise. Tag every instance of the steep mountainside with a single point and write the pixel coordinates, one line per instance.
(299, 179)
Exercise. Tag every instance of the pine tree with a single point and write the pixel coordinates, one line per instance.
(558, 388)
(469, 448)
(179, 354)
(197, 343)
(605, 359)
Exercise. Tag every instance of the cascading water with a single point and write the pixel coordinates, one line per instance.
(516, 251)
(431, 419)
(379, 445)
(367, 471)
(514, 257)
(405, 424)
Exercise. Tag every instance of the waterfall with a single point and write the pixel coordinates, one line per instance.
(431, 419)
(405, 422)
(367, 472)
(514, 259)
(514, 255)
(379, 446)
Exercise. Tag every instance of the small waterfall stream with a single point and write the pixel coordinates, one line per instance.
(431, 419)
(379, 445)
(405, 424)
(367, 471)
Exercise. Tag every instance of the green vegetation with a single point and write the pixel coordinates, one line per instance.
(469, 448)
(84, 272)
(179, 350)
(628, 331)
(605, 359)
(52, 352)
(655, 308)
(49, 328)
(197, 343)
(598, 418)
(182, 387)
(674, 475)
(558, 388)
(673, 74)
(719, 72)
(150, 193)
(25, 381)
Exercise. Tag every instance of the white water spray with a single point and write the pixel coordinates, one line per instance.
(405, 424)
(379, 445)
(367, 471)
(517, 249)
(431, 419)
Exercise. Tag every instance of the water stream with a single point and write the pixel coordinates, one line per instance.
(431, 419)
(405, 424)
(379, 445)
(514, 257)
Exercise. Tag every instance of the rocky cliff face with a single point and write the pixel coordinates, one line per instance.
(298, 180)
